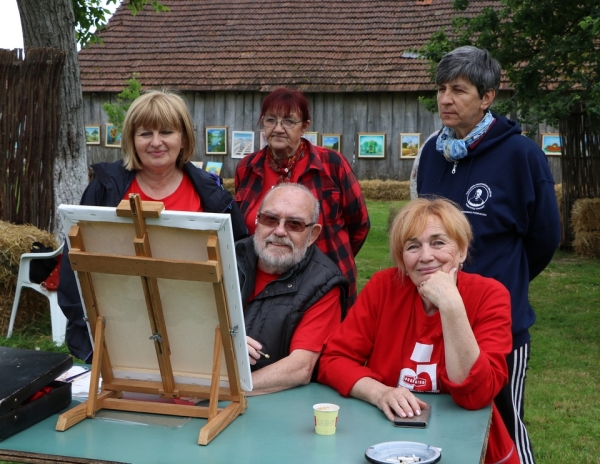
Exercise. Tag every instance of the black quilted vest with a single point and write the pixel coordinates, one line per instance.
(273, 315)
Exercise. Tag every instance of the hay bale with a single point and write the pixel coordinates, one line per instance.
(385, 190)
(382, 190)
(14, 241)
(229, 184)
(587, 244)
(585, 220)
(585, 215)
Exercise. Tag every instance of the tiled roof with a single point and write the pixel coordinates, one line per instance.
(312, 45)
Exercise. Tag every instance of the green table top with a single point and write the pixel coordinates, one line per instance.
(276, 428)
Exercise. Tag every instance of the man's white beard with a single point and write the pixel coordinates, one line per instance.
(280, 260)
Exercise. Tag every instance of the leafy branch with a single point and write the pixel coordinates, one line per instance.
(116, 111)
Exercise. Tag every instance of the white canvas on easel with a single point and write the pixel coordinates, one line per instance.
(178, 241)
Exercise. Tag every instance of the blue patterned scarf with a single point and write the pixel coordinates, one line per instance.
(455, 149)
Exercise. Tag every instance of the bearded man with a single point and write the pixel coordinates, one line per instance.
(293, 295)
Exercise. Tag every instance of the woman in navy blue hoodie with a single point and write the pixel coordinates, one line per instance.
(503, 183)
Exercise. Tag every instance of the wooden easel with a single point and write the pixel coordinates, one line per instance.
(150, 269)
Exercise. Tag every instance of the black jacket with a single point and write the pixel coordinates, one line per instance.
(272, 316)
(107, 189)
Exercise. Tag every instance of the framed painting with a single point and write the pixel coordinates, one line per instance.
(312, 137)
(214, 167)
(216, 140)
(332, 141)
(551, 144)
(92, 135)
(371, 145)
(263, 140)
(409, 145)
(242, 143)
(113, 136)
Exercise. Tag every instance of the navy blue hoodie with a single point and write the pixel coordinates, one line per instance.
(505, 187)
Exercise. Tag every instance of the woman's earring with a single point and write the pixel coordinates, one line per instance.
(460, 266)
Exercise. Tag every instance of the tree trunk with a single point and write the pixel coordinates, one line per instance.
(52, 24)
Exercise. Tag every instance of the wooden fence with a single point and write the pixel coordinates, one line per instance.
(29, 124)
(580, 139)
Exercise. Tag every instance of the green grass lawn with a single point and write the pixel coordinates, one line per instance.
(562, 404)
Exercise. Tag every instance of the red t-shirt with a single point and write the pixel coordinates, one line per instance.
(185, 198)
(319, 321)
(271, 178)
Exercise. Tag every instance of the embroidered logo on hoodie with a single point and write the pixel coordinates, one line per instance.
(477, 196)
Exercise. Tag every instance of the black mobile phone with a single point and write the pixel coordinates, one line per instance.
(414, 421)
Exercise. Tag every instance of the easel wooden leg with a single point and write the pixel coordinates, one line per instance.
(217, 421)
(216, 376)
(96, 363)
(88, 408)
(216, 425)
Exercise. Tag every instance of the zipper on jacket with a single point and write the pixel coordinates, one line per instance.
(454, 168)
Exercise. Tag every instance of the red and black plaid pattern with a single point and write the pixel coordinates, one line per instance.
(343, 214)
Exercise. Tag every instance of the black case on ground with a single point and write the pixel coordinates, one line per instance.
(22, 374)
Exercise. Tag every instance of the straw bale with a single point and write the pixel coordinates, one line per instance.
(229, 184)
(385, 190)
(587, 244)
(14, 241)
(585, 215)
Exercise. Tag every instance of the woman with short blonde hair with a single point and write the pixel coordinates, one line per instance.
(158, 143)
(426, 326)
(157, 109)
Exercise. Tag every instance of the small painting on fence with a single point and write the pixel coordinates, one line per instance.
(371, 145)
(214, 167)
(113, 136)
(312, 137)
(332, 141)
(92, 135)
(409, 145)
(242, 143)
(216, 140)
(551, 144)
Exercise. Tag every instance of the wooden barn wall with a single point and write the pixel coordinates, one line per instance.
(347, 114)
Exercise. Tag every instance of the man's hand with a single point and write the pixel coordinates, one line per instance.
(253, 350)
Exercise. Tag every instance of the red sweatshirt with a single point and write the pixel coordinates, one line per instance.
(388, 337)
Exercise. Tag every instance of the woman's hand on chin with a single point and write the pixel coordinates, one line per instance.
(440, 288)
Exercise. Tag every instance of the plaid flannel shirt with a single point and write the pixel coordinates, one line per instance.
(343, 213)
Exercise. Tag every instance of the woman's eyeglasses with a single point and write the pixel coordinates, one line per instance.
(292, 225)
(286, 123)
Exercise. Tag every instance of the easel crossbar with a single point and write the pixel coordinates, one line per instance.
(156, 408)
(142, 266)
(154, 388)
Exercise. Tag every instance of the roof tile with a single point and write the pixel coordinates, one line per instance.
(314, 45)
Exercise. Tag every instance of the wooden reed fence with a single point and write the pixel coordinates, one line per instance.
(580, 139)
(29, 125)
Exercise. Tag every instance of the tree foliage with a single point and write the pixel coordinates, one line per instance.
(90, 16)
(116, 111)
(549, 50)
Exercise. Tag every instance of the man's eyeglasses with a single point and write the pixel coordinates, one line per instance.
(286, 123)
(292, 225)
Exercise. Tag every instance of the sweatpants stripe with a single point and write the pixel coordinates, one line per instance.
(522, 442)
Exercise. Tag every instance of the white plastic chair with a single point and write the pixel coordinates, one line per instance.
(58, 319)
